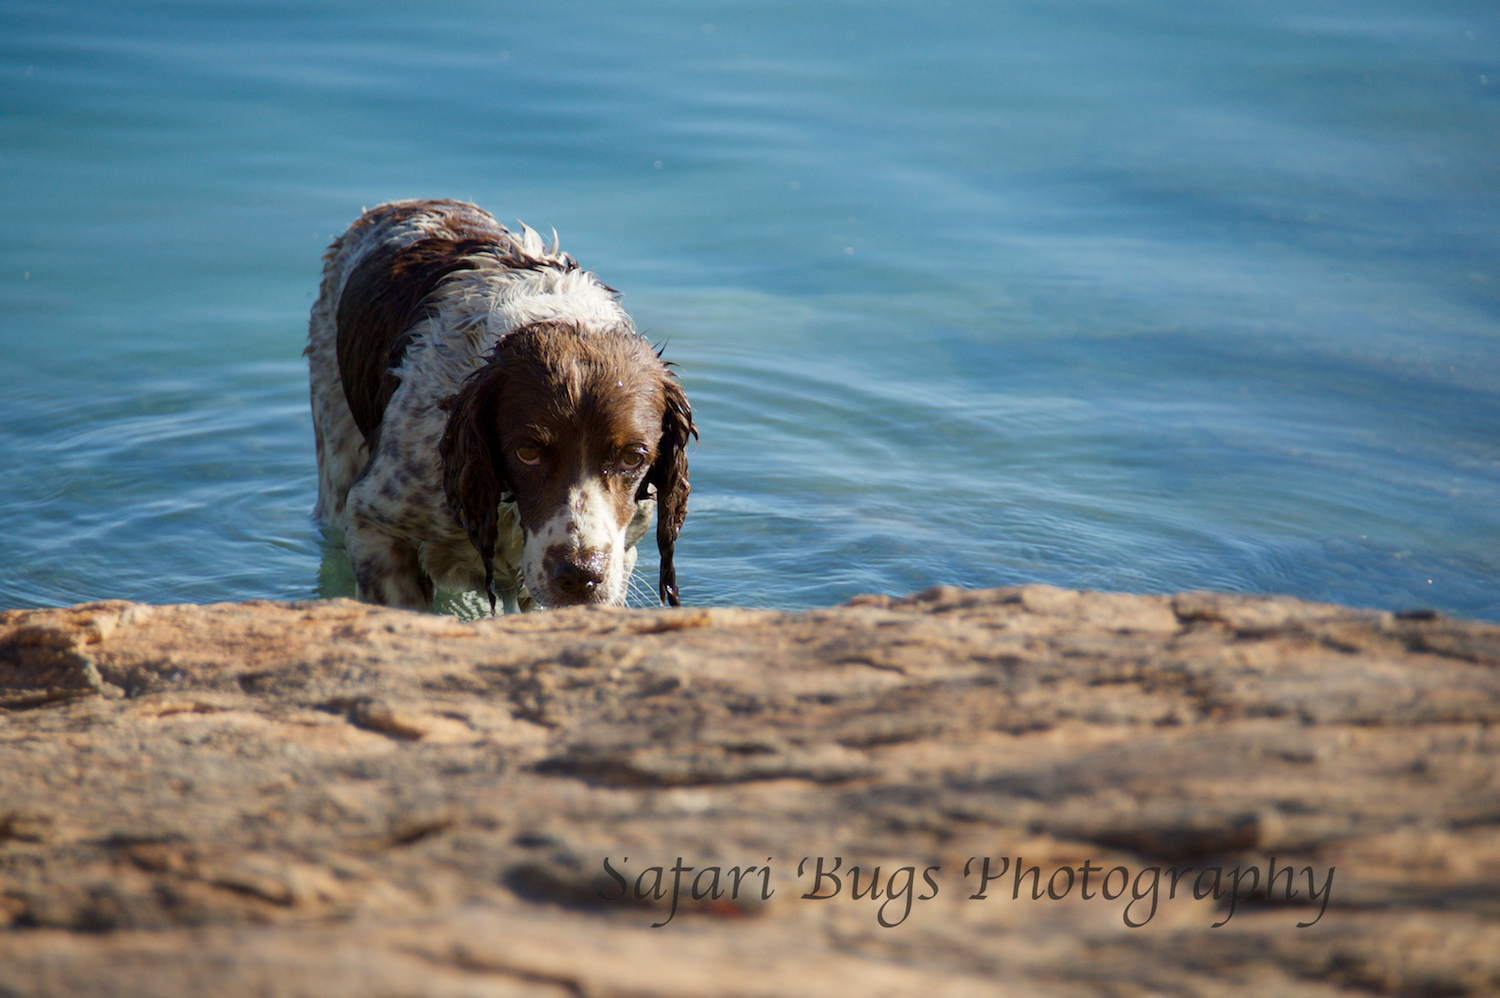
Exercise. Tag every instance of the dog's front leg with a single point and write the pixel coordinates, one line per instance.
(386, 569)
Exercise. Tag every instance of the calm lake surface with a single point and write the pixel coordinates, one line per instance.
(1141, 296)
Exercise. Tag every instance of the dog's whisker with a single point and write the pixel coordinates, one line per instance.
(639, 594)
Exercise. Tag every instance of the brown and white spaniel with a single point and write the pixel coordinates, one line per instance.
(487, 417)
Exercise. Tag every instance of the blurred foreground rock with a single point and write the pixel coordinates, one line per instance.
(334, 799)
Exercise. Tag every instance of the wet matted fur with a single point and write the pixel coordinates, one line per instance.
(486, 416)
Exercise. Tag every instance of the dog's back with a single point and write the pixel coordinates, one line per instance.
(376, 278)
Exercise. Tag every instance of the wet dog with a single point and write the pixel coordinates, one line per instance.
(487, 417)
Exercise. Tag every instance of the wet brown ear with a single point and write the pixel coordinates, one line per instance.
(669, 476)
(473, 471)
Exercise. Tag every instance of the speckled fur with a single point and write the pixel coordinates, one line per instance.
(390, 505)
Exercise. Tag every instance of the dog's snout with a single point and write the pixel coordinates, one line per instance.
(578, 578)
(576, 560)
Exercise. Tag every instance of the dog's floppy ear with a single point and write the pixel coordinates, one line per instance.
(473, 469)
(669, 476)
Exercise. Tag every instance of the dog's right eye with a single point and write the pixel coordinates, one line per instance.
(529, 455)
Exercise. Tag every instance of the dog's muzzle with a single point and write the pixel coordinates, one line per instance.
(577, 577)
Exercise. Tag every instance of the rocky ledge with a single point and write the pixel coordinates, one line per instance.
(1020, 791)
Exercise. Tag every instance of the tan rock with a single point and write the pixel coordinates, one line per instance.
(332, 798)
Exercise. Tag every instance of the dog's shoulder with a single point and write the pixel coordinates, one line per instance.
(404, 252)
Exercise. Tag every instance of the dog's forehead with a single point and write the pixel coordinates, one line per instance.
(602, 424)
(596, 389)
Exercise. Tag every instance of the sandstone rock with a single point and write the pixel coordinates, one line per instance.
(332, 798)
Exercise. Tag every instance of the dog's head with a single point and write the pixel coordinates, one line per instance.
(578, 427)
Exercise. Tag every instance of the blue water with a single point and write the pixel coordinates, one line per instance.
(1142, 296)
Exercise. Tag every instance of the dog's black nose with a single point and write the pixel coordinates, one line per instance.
(575, 580)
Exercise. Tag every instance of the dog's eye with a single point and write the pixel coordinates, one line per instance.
(529, 455)
(632, 460)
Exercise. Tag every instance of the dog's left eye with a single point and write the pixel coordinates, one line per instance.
(632, 460)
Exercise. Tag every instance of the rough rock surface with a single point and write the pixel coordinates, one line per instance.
(335, 799)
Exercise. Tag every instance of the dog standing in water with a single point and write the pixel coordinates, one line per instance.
(487, 417)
